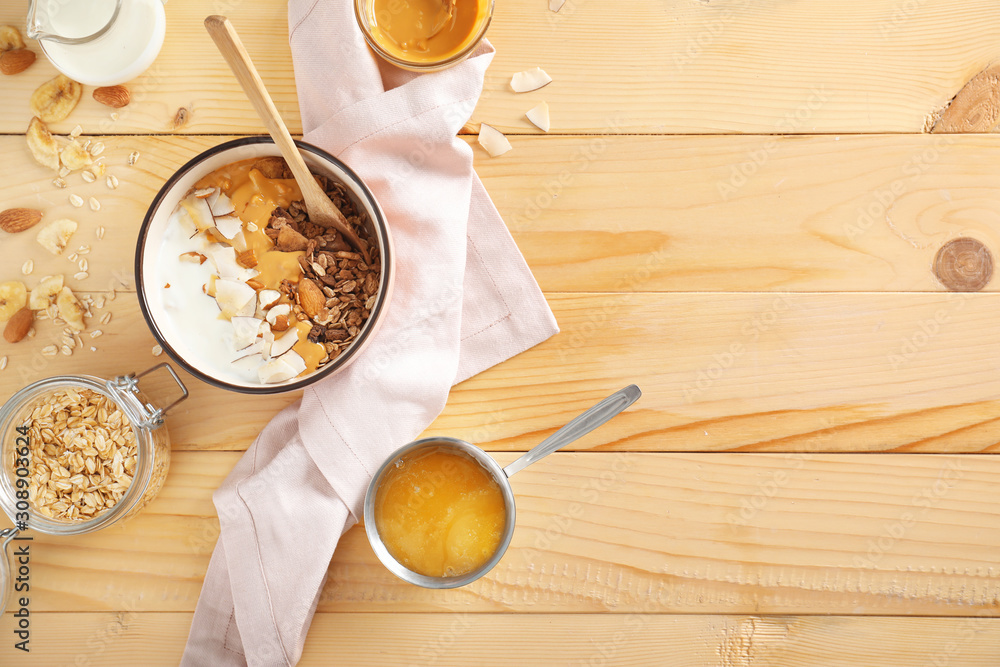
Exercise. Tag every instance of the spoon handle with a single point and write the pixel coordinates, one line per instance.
(232, 49)
(579, 427)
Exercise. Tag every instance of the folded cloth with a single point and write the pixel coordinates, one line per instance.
(463, 301)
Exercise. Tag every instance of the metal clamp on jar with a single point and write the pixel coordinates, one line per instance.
(79, 454)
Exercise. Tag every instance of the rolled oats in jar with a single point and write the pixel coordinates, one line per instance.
(80, 453)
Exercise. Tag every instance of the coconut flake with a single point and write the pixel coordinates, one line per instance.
(493, 140)
(235, 298)
(286, 342)
(556, 5)
(281, 368)
(245, 330)
(539, 116)
(528, 80)
(229, 226)
(221, 205)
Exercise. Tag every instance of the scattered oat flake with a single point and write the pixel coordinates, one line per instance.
(97, 149)
(83, 250)
(59, 183)
(157, 350)
(64, 172)
(84, 265)
(106, 318)
(114, 115)
(97, 332)
(76, 200)
(73, 256)
(28, 267)
(100, 233)
(77, 131)
(50, 350)
(111, 294)
(93, 349)
(112, 182)
(88, 176)
(82, 275)
(94, 204)
(3, 362)
(133, 157)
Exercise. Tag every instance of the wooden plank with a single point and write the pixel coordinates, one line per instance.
(625, 532)
(749, 372)
(664, 66)
(637, 214)
(753, 372)
(391, 640)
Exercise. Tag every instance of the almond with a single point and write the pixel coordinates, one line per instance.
(290, 240)
(17, 326)
(247, 259)
(15, 220)
(311, 297)
(16, 61)
(115, 97)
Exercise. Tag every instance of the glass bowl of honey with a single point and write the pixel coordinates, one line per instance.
(423, 35)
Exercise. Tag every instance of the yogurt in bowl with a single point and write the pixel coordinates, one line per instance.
(241, 289)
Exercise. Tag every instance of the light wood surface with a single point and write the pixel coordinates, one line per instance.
(745, 533)
(738, 209)
(619, 639)
(664, 66)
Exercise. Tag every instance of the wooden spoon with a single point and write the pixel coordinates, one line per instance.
(321, 210)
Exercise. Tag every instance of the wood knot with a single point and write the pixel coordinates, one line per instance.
(963, 265)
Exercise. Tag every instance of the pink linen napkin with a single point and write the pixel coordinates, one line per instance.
(464, 300)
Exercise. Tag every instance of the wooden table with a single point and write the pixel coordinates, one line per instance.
(738, 209)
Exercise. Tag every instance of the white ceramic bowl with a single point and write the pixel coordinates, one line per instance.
(179, 345)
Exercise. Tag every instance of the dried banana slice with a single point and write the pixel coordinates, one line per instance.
(56, 98)
(42, 145)
(74, 157)
(55, 235)
(13, 296)
(10, 38)
(70, 309)
(42, 295)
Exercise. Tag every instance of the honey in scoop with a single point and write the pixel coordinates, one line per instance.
(440, 513)
(425, 31)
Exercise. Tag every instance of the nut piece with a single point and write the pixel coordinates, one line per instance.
(311, 297)
(56, 98)
(16, 61)
(70, 309)
(273, 167)
(74, 157)
(13, 297)
(15, 220)
(18, 325)
(290, 240)
(115, 97)
(10, 38)
(55, 235)
(42, 145)
(247, 259)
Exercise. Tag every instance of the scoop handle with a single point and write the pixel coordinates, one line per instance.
(579, 427)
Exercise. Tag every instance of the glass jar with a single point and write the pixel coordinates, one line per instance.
(152, 455)
(368, 12)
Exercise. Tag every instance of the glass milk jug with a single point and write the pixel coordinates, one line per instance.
(98, 42)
